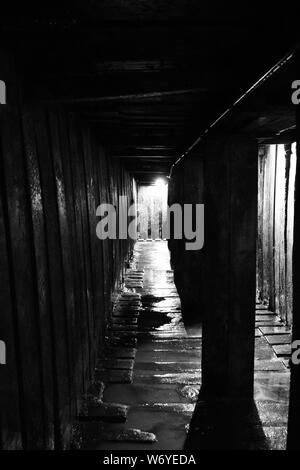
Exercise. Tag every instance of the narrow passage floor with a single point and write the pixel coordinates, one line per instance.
(148, 376)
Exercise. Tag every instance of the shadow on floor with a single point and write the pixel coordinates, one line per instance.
(226, 425)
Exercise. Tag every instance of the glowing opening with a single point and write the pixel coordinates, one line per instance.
(160, 188)
(160, 183)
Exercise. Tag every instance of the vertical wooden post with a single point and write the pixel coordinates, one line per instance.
(260, 223)
(288, 152)
(268, 230)
(230, 173)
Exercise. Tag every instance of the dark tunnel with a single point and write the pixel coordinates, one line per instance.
(149, 227)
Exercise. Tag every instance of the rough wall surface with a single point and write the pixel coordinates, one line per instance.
(57, 277)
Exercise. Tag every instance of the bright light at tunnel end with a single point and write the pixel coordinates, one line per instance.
(160, 183)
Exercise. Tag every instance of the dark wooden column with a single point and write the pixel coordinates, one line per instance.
(230, 175)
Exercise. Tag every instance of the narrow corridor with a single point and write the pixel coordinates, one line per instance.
(149, 375)
(147, 326)
(149, 227)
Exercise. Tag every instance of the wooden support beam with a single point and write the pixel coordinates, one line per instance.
(132, 97)
(230, 174)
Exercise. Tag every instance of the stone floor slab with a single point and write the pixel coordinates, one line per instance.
(124, 353)
(269, 365)
(166, 366)
(272, 330)
(282, 349)
(117, 363)
(279, 339)
(110, 412)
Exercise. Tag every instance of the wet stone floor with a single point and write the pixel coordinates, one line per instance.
(149, 374)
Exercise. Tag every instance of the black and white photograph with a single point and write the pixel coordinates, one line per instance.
(149, 230)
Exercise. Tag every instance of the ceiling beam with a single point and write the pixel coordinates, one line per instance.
(131, 97)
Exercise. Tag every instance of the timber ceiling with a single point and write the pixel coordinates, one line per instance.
(150, 76)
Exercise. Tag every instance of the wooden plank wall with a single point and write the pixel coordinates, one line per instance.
(293, 435)
(57, 277)
(276, 183)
